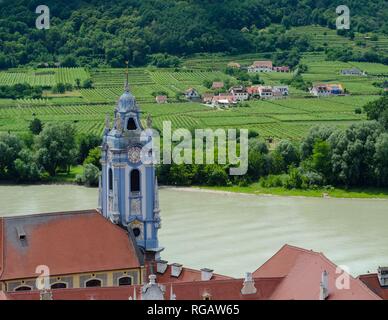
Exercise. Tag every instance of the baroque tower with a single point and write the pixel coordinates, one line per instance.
(128, 194)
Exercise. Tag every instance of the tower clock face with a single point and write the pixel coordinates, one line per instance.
(134, 154)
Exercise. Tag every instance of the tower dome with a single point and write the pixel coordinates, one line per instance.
(127, 102)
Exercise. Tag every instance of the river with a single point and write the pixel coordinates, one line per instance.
(235, 233)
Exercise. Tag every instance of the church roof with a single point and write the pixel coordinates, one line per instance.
(302, 270)
(67, 242)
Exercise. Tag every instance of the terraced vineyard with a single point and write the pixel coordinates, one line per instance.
(288, 118)
(43, 77)
(285, 118)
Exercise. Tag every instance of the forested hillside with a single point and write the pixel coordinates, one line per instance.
(98, 32)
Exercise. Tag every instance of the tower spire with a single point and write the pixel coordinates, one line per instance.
(126, 88)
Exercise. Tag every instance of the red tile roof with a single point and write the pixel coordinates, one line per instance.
(229, 289)
(67, 242)
(218, 290)
(372, 282)
(263, 63)
(217, 85)
(187, 275)
(302, 270)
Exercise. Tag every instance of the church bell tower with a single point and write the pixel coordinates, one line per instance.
(128, 186)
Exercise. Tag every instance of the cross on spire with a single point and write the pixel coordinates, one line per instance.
(126, 88)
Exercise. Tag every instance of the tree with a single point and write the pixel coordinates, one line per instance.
(90, 176)
(87, 84)
(36, 126)
(288, 152)
(26, 168)
(10, 146)
(86, 142)
(78, 83)
(316, 133)
(381, 159)
(56, 147)
(353, 152)
(321, 158)
(374, 109)
(94, 157)
(217, 176)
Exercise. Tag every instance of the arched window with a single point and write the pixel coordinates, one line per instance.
(59, 285)
(23, 288)
(136, 232)
(93, 283)
(135, 180)
(131, 124)
(110, 178)
(125, 281)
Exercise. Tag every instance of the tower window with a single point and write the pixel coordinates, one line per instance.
(110, 178)
(59, 285)
(135, 180)
(125, 281)
(23, 288)
(131, 124)
(136, 232)
(93, 283)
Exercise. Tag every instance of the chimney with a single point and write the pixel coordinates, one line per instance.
(382, 274)
(324, 286)
(248, 285)
(206, 274)
(161, 266)
(176, 270)
(21, 233)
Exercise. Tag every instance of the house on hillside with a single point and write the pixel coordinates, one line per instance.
(207, 98)
(282, 89)
(161, 99)
(234, 65)
(253, 91)
(281, 69)
(327, 89)
(239, 93)
(265, 92)
(261, 66)
(223, 100)
(192, 94)
(353, 72)
(217, 85)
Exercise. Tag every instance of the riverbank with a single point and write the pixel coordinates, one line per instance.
(356, 193)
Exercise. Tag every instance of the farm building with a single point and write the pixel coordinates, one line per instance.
(353, 72)
(282, 89)
(217, 85)
(192, 94)
(265, 92)
(323, 90)
(281, 69)
(223, 100)
(207, 98)
(261, 66)
(253, 91)
(234, 65)
(161, 99)
(239, 93)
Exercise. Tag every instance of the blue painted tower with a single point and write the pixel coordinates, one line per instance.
(128, 187)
